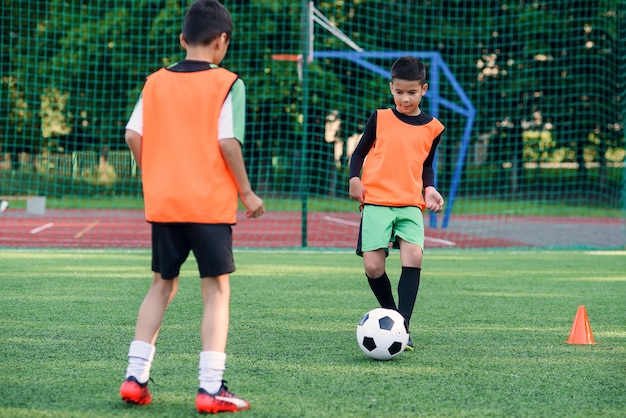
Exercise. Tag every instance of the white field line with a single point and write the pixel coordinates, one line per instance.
(616, 252)
(441, 241)
(340, 221)
(41, 228)
(356, 224)
(86, 229)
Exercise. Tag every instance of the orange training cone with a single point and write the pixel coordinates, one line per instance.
(581, 330)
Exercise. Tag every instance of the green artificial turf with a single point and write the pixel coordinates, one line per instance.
(490, 330)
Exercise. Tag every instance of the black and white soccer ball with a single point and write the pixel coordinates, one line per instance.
(381, 334)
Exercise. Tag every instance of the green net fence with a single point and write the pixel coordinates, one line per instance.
(531, 94)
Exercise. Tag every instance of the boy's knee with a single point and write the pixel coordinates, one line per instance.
(374, 263)
(411, 255)
(374, 270)
(166, 286)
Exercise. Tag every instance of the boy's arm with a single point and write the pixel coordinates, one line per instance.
(133, 140)
(357, 190)
(434, 200)
(231, 152)
(428, 173)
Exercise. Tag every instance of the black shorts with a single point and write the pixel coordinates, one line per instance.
(212, 246)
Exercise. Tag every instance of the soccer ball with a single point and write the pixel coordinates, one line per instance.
(381, 334)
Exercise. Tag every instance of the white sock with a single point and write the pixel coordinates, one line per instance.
(212, 366)
(140, 356)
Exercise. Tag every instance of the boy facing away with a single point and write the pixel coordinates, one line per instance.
(397, 183)
(185, 133)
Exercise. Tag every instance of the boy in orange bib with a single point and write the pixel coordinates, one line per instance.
(186, 133)
(395, 184)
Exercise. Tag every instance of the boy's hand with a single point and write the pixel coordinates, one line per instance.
(253, 203)
(357, 190)
(434, 200)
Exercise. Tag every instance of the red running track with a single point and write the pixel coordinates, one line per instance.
(128, 229)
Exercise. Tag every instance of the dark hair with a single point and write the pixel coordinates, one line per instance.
(205, 21)
(408, 68)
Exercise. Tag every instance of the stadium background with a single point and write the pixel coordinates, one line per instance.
(531, 93)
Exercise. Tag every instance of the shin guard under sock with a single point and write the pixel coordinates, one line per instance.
(408, 287)
(381, 287)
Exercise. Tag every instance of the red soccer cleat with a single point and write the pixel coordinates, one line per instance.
(222, 401)
(132, 391)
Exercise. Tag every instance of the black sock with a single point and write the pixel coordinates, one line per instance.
(407, 292)
(381, 287)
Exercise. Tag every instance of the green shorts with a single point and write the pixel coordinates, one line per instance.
(380, 225)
